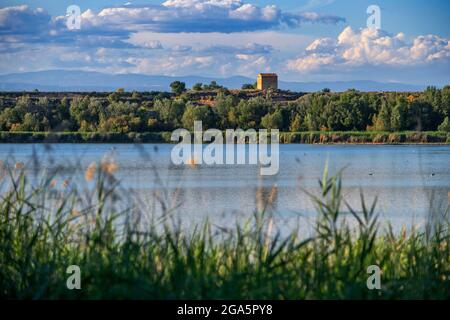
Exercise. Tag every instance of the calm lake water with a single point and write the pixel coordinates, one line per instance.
(410, 181)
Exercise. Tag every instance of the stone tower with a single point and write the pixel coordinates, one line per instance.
(267, 81)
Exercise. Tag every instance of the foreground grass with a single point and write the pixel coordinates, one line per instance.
(119, 259)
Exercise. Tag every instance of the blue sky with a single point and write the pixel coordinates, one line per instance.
(311, 40)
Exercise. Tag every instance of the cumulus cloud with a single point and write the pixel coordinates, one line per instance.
(316, 4)
(204, 16)
(20, 20)
(23, 28)
(371, 47)
(171, 64)
(205, 65)
(23, 25)
(208, 59)
(215, 15)
(153, 44)
(248, 49)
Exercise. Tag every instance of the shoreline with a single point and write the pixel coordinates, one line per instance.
(312, 137)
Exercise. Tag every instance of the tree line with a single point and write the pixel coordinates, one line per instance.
(322, 111)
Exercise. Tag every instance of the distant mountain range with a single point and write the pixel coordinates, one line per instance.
(66, 80)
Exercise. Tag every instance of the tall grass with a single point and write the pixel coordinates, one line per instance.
(43, 232)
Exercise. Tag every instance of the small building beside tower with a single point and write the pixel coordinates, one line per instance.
(267, 81)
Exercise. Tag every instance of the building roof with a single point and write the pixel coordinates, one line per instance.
(268, 74)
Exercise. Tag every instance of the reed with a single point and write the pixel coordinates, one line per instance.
(43, 232)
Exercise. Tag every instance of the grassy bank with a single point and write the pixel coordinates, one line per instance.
(310, 137)
(119, 258)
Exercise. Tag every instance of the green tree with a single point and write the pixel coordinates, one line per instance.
(399, 115)
(30, 123)
(445, 100)
(136, 95)
(224, 108)
(296, 124)
(382, 122)
(170, 112)
(113, 97)
(272, 120)
(312, 123)
(86, 112)
(197, 86)
(212, 86)
(445, 125)
(248, 86)
(422, 117)
(199, 113)
(249, 112)
(178, 87)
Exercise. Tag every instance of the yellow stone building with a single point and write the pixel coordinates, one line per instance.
(267, 81)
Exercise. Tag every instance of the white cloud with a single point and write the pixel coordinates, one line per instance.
(170, 64)
(152, 44)
(21, 20)
(184, 37)
(370, 47)
(287, 42)
(202, 4)
(310, 62)
(430, 48)
(200, 16)
(242, 56)
(113, 26)
(316, 4)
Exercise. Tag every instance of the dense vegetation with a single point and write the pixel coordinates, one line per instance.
(122, 112)
(45, 229)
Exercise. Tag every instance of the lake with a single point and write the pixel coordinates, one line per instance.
(410, 181)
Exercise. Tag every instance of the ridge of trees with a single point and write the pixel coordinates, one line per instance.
(321, 111)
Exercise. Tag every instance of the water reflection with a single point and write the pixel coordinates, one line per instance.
(411, 182)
